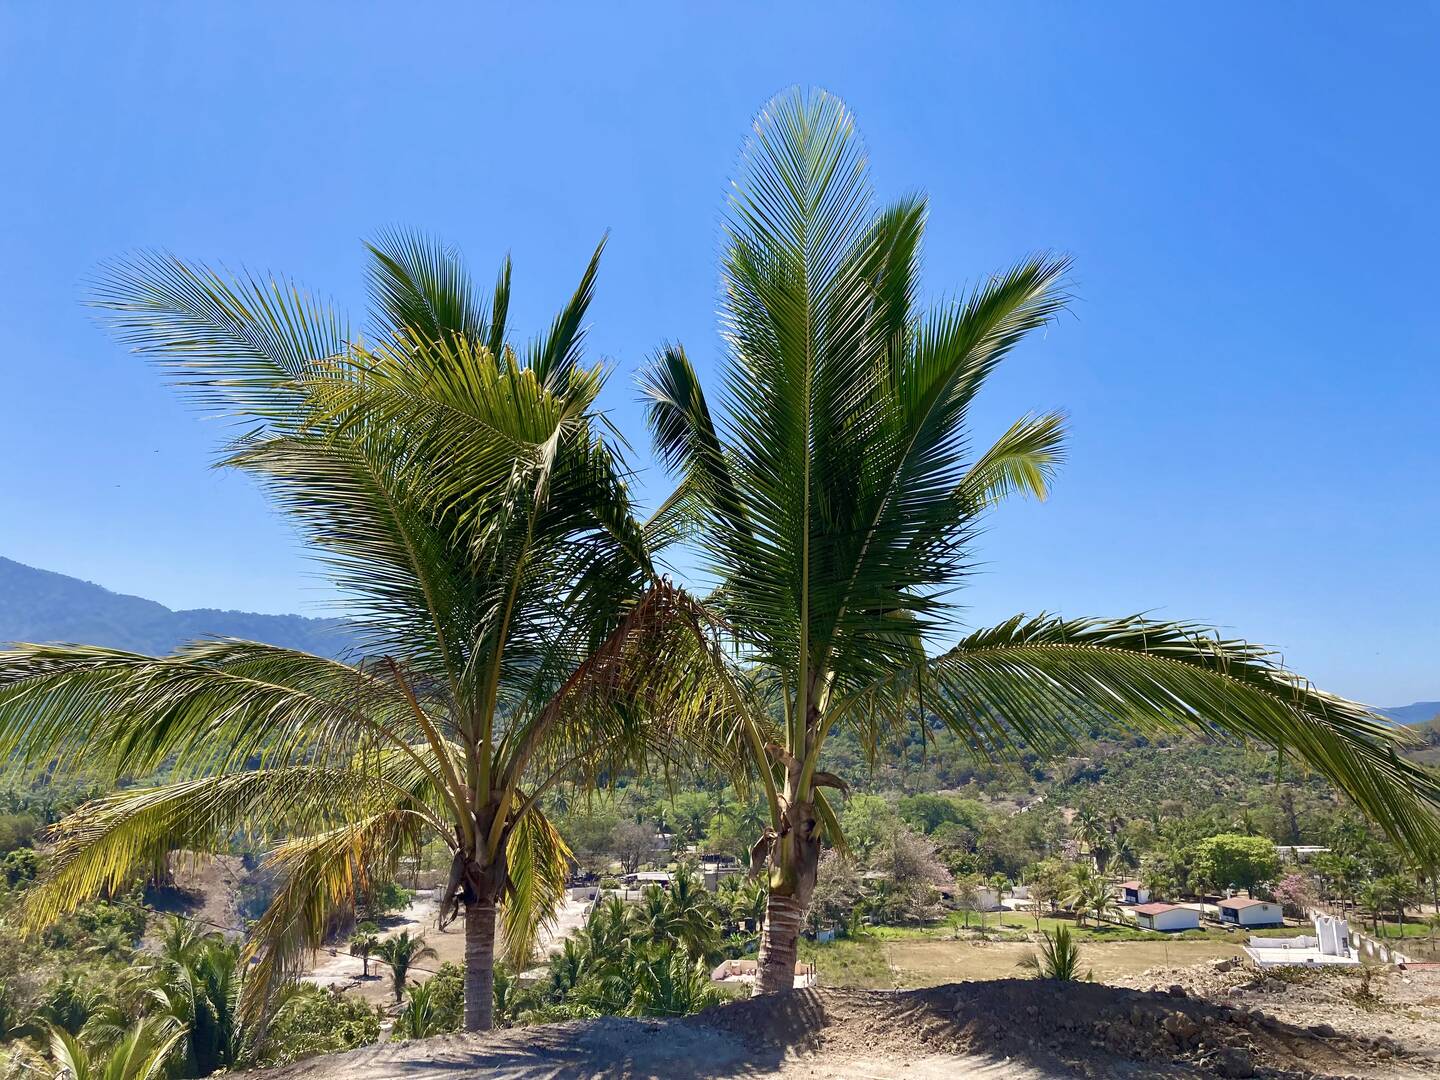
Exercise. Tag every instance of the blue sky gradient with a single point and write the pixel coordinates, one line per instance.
(1248, 192)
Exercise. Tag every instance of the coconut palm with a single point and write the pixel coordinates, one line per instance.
(141, 1053)
(462, 495)
(423, 1014)
(363, 944)
(401, 953)
(833, 497)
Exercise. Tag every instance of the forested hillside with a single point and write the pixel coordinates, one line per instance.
(41, 606)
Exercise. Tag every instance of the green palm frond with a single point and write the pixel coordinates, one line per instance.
(555, 355)
(211, 706)
(239, 342)
(1044, 680)
(420, 287)
(98, 847)
(539, 861)
(1022, 461)
(319, 874)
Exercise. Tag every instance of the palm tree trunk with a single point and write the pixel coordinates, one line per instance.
(779, 944)
(480, 965)
(797, 858)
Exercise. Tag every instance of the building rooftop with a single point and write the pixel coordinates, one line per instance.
(1157, 909)
(1131, 885)
(1241, 902)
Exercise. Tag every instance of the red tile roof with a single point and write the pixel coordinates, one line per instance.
(1241, 902)
(1131, 885)
(1156, 909)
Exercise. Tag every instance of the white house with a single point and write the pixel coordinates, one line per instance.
(1168, 918)
(1132, 892)
(1245, 911)
(1330, 945)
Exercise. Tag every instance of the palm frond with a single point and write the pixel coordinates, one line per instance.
(239, 342)
(555, 355)
(539, 860)
(420, 288)
(319, 874)
(1021, 461)
(1044, 679)
(98, 847)
(211, 706)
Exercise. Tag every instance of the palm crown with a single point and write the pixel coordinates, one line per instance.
(836, 493)
(463, 497)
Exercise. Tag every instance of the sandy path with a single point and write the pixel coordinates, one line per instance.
(335, 967)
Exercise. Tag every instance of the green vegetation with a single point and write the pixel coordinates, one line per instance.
(454, 543)
(527, 687)
(1058, 957)
(835, 496)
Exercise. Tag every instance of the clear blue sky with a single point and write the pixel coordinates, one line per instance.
(1248, 192)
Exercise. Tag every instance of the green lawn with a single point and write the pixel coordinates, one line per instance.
(1394, 930)
(850, 962)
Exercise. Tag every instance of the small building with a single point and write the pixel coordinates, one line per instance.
(743, 971)
(1167, 918)
(1132, 892)
(646, 877)
(1329, 945)
(1249, 912)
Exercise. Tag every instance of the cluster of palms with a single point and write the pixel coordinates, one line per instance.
(650, 958)
(646, 959)
(174, 1013)
(468, 498)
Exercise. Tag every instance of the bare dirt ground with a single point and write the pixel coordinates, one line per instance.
(205, 888)
(931, 963)
(336, 968)
(1014, 1029)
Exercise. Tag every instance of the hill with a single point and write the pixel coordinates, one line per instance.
(1007, 1029)
(1417, 713)
(42, 606)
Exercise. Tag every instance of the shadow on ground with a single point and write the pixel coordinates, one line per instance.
(1011, 1029)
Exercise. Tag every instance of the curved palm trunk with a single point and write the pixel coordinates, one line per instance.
(480, 965)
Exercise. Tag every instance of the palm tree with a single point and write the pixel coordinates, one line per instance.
(1090, 894)
(463, 496)
(363, 943)
(1058, 958)
(422, 1015)
(1373, 897)
(672, 983)
(834, 498)
(401, 952)
(142, 1053)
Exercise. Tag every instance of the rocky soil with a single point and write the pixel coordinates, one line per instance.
(1206, 1022)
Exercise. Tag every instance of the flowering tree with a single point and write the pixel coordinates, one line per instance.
(1296, 893)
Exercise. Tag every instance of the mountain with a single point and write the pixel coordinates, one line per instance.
(1417, 713)
(38, 605)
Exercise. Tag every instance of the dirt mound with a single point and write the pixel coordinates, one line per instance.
(1014, 1029)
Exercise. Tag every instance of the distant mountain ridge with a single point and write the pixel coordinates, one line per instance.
(1417, 713)
(43, 606)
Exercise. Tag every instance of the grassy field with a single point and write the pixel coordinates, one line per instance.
(948, 951)
(1011, 926)
(929, 963)
(878, 963)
